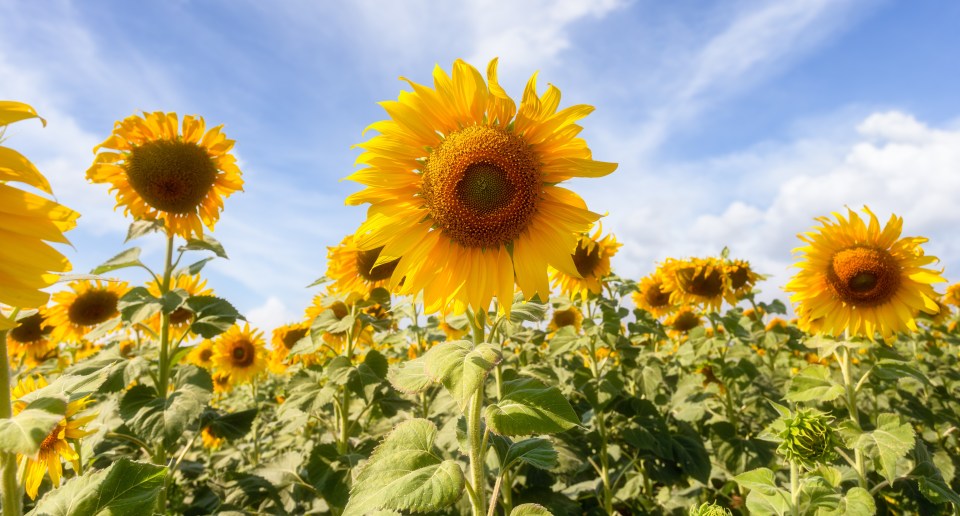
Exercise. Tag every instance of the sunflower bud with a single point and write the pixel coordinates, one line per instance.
(709, 509)
(808, 439)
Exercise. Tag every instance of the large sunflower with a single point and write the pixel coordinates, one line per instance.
(240, 353)
(161, 172)
(27, 223)
(354, 270)
(859, 278)
(55, 445)
(592, 260)
(653, 296)
(462, 187)
(74, 312)
(29, 342)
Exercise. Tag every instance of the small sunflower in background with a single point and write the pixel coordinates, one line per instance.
(357, 271)
(201, 355)
(222, 383)
(240, 353)
(859, 278)
(55, 446)
(75, 312)
(160, 172)
(952, 295)
(592, 260)
(27, 223)
(464, 189)
(211, 441)
(181, 318)
(741, 279)
(564, 317)
(454, 327)
(282, 341)
(653, 295)
(683, 320)
(697, 281)
(29, 342)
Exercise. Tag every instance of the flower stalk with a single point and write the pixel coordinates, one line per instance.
(8, 461)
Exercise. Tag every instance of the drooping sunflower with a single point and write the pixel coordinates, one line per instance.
(76, 311)
(859, 278)
(240, 353)
(652, 295)
(27, 223)
(161, 172)
(697, 281)
(741, 279)
(592, 260)
(563, 317)
(56, 444)
(29, 342)
(354, 270)
(463, 188)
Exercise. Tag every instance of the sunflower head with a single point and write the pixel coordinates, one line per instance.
(952, 295)
(697, 281)
(653, 295)
(564, 317)
(355, 270)
(282, 341)
(463, 187)
(859, 278)
(741, 279)
(86, 304)
(592, 260)
(30, 339)
(808, 439)
(709, 509)
(683, 320)
(201, 355)
(160, 172)
(210, 441)
(240, 353)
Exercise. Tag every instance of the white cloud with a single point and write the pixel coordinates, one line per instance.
(272, 314)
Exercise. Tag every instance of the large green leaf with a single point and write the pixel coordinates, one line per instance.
(536, 452)
(530, 509)
(813, 383)
(125, 488)
(857, 502)
(461, 367)
(137, 305)
(406, 473)
(24, 432)
(409, 376)
(760, 479)
(128, 258)
(205, 243)
(892, 439)
(152, 418)
(530, 407)
(214, 315)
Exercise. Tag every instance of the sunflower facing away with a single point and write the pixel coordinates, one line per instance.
(653, 296)
(55, 445)
(75, 312)
(161, 172)
(354, 270)
(463, 189)
(592, 260)
(856, 277)
(240, 353)
(27, 223)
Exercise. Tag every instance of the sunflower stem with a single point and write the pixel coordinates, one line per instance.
(851, 402)
(794, 488)
(8, 461)
(475, 434)
(343, 440)
(164, 380)
(256, 422)
(600, 419)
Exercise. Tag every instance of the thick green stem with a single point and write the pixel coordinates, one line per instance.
(256, 423)
(478, 477)
(8, 461)
(851, 401)
(600, 418)
(343, 439)
(160, 457)
(794, 488)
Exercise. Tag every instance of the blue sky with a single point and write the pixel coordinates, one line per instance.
(735, 122)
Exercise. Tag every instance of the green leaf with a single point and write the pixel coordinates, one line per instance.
(124, 488)
(137, 305)
(530, 311)
(461, 367)
(128, 258)
(813, 383)
(760, 479)
(193, 268)
(409, 376)
(766, 504)
(530, 509)
(536, 452)
(377, 363)
(205, 243)
(530, 407)
(930, 478)
(893, 440)
(152, 418)
(142, 227)
(173, 300)
(406, 473)
(24, 432)
(214, 315)
(893, 370)
(230, 426)
(857, 502)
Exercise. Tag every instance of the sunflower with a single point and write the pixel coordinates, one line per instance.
(685, 319)
(952, 295)
(161, 172)
(569, 316)
(652, 295)
(454, 327)
(282, 341)
(859, 278)
(592, 260)
(697, 281)
(463, 189)
(27, 223)
(354, 270)
(29, 342)
(74, 312)
(55, 445)
(201, 355)
(181, 318)
(240, 353)
(741, 279)
(222, 383)
(210, 441)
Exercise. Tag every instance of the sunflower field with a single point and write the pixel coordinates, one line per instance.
(469, 349)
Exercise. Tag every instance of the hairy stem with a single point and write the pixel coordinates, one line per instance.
(8, 461)
(160, 457)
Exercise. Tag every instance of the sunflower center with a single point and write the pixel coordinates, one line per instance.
(205, 355)
(739, 277)
(291, 338)
(586, 260)
(701, 282)
(93, 307)
(864, 276)
(564, 318)
(171, 176)
(242, 353)
(656, 297)
(340, 309)
(686, 321)
(51, 438)
(365, 262)
(181, 315)
(29, 329)
(482, 185)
